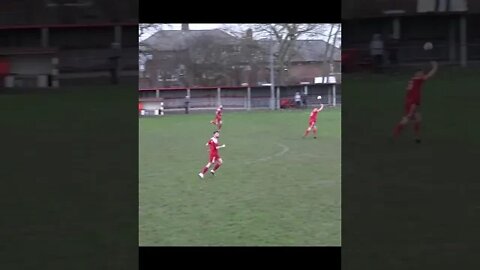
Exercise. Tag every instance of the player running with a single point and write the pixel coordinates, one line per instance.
(218, 118)
(412, 102)
(312, 122)
(214, 158)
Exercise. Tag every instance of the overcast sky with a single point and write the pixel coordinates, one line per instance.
(204, 26)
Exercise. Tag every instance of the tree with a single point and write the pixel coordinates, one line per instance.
(144, 29)
(144, 49)
(334, 33)
(283, 38)
(212, 61)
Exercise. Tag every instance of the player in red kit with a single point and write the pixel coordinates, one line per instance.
(312, 122)
(214, 158)
(412, 102)
(218, 118)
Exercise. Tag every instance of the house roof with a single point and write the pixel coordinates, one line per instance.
(308, 50)
(167, 40)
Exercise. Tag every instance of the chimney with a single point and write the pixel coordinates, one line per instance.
(249, 34)
(185, 27)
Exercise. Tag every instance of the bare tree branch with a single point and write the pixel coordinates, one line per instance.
(285, 36)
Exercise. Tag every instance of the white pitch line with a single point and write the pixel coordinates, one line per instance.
(281, 153)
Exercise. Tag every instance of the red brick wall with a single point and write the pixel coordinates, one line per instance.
(297, 73)
(305, 72)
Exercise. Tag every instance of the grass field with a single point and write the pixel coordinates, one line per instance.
(274, 187)
(69, 177)
(404, 202)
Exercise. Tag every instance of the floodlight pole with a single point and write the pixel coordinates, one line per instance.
(272, 75)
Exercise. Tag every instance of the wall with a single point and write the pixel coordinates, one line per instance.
(237, 97)
(31, 64)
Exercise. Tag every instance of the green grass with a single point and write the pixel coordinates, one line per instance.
(274, 187)
(403, 201)
(70, 177)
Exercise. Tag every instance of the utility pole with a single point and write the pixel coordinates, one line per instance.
(272, 75)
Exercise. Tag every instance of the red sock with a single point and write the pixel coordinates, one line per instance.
(397, 129)
(205, 169)
(217, 166)
(416, 128)
(306, 133)
(315, 132)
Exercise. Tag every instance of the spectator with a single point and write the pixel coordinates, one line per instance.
(298, 99)
(376, 51)
(114, 63)
(304, 99)
(392, 49)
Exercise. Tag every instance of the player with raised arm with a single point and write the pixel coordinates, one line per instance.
(214, 158)
(312, 122)
(412, 102)
(218, 118)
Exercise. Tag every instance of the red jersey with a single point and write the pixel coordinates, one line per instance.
(414, 90)
(218, 114)
(212, 144)
(313, 115)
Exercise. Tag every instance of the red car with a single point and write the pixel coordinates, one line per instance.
(286, 103)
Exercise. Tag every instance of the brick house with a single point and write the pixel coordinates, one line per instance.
(449, 24)
(213, 57)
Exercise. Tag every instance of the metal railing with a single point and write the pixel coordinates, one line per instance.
(241, 98)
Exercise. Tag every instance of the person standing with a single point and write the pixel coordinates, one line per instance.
(377, 51)
(114, 63)
(298, 99)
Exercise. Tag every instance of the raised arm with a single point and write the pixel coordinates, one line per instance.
(432, 71)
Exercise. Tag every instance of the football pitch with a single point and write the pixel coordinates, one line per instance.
(70, 169)
(402, 186)
(274, 187)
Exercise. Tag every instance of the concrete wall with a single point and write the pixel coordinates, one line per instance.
(31, 65)
(238, 98)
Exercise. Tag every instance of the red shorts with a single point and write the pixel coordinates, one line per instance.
(213, 157)
(218, 120)
(312, 123)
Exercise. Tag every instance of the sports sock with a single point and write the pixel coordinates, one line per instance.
(398, 128)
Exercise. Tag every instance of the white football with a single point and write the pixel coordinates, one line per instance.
(428, 46)
(319, 97)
